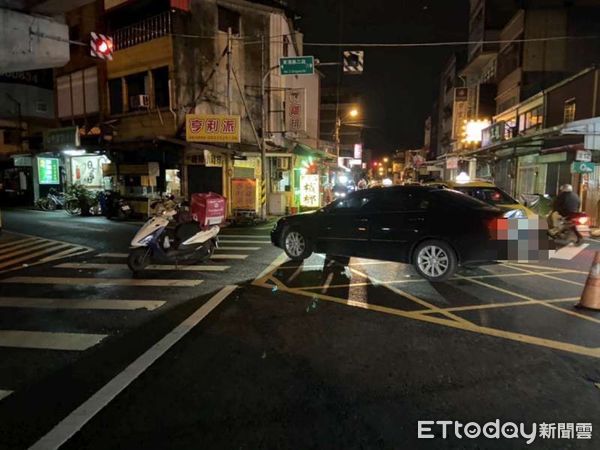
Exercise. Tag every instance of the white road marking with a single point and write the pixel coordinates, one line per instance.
(282, 258)
(4, 394)
(71, 424)
(102, 281)
(76, 251)
(268, 227)
(48, 340)
(70, 225)
(190, 268)
(112, 255)
(19, 244)
(245, 236)
(238, 241)
(29, 256)
(297, 272)
(226, 256)
(567, 253)
(238, 248)
(64, 303)
(28, 249)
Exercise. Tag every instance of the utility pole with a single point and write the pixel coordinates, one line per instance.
(338, 125)
(263, 141)
(229, 70)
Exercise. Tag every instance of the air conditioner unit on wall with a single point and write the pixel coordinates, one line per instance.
(139, 101)
(283, 163)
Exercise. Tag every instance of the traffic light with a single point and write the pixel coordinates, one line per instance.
(101, 46)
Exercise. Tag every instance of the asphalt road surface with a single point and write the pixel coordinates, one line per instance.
(313, 355)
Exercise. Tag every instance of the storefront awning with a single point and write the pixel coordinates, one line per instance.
(306, 150)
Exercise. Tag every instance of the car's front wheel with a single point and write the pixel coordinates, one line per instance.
(296, 245)
(435, 260)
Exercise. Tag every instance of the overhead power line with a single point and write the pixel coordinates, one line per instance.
(443, 43)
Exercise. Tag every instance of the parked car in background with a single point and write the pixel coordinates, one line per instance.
(491, 194)
(434, 229)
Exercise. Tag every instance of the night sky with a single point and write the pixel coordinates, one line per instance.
(399, 84)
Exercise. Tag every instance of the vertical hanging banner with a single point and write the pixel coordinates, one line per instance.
(460, 109)
(295, 110)
(309, 191)
(213, 128)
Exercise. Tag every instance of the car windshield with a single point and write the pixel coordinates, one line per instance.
(491, 195)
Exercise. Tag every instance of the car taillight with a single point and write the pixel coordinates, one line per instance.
(582, 220)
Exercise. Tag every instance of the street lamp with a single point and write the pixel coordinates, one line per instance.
(386, 160)
(339, 121)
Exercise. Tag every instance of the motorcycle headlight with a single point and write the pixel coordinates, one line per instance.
(147, 239)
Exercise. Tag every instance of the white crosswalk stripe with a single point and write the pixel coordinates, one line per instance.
(49, 340)
(19, 251)
(226, 256)
(252, 236)
(103, 282)
(567, 253)
(221, 247)
(4, 394)
(242, 241)
(74, 303)
(103, 266)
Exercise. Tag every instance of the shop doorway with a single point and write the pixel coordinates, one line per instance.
(205, 179)
(557, 174)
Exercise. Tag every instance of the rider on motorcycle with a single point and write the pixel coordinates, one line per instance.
(567, 202)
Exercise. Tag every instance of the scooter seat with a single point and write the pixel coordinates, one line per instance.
(184, 231)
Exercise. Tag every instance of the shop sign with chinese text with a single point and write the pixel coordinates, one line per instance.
(295, 110)
(309, 191)
(48, 171)
(209, 128)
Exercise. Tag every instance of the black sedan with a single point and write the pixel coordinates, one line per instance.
(434, 229)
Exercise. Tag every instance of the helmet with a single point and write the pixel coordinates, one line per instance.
(566, 188)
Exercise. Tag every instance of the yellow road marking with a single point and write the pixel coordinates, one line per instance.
(411, 297)
(556, 269)
(28, 249)
(422, 280)
(545, 275)
(499, 305)
(272, 268)
(539, 302)
(465, 326)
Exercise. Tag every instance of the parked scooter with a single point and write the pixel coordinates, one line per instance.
(157, 241)
(114, 206)
(565, 230)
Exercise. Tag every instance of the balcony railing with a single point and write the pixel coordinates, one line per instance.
(143, 31)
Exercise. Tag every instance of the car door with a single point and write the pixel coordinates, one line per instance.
(345, 226)
(397, 221)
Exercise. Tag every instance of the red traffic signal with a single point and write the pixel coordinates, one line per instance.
(101, 46)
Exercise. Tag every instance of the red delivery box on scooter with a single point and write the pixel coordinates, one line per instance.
(208, 208)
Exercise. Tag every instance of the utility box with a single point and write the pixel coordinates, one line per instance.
(277, 203)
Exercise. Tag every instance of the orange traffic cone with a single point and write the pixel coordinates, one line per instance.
(590, 298)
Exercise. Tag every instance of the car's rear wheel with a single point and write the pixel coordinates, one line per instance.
(296, 245)
(435, 260)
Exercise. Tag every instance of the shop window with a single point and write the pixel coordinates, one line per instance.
(569, 110)
(229, 19)
(115, 92)
(161, 87)
(137, 90)
(286, 46)
(531, 120)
